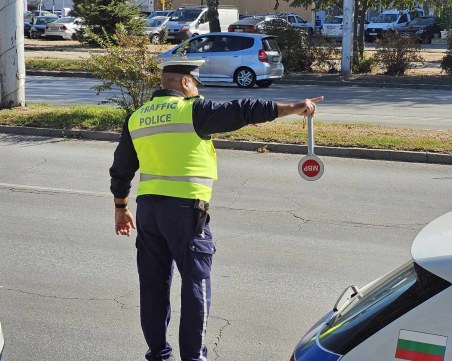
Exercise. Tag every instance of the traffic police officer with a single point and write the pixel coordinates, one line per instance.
(169, 140)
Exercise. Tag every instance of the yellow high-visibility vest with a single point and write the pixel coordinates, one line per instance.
(174, 160)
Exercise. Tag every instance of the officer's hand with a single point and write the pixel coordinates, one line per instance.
(124, 222)
(307, 107)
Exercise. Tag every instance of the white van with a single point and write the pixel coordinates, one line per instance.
(389, 20)
(187, 22)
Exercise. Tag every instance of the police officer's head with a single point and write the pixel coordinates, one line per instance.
(182, 75)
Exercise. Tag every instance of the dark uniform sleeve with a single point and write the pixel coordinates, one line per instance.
(125, 164)
(211, 117)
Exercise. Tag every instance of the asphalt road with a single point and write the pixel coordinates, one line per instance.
(286, 248)
(412, 108)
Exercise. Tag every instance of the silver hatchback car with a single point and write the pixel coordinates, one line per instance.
(245, 59)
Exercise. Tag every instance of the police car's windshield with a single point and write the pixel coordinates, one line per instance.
(185, 15)
(335, 20)
(386, 18)
(384, 301)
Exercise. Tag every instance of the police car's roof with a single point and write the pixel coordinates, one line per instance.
(432, 247)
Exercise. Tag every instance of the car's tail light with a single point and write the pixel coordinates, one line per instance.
(64, 27)
(185, 29)
(230, 29)
(263, 57)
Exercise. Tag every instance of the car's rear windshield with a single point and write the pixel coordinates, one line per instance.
(185, 15)
(43, 21)
(383, 302)
(270, 44)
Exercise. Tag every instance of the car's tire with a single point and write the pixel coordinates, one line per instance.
(245, 78)
(155, 39)
(264, 83)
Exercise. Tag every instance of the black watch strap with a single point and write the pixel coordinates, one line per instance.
(120, 205)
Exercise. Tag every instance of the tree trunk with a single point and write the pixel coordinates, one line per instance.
(212, 15)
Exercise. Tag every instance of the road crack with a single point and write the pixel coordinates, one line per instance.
(219, 336)
(116, 299)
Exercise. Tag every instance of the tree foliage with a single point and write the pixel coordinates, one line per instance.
(128, 65)
(104, 15)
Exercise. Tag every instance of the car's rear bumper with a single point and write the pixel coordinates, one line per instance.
(58, 34)
(267, 71)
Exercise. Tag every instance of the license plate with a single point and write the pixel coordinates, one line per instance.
(54, 28)
(276, 59)
(372, 33)
(238, 30)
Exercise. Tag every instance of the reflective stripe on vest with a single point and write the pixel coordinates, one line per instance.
(174, 160)
(167, 128)
(208, 182)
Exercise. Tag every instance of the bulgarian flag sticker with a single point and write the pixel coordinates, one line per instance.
(419, 346)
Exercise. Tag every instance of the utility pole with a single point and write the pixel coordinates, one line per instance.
(347, 37)
(12, 59)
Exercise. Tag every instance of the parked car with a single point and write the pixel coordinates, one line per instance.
(2, 343)
(27, 27)
(65, 28)
(156, 27)
(389, 20)
(423, 28)
(404, 315)
(297, 21)
(190, 21)
(241, 58)
(332, 27)
(39, 25)
(167, 13)
(258, 24)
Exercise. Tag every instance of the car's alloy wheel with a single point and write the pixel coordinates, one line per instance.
(245, 78)
(155, 39)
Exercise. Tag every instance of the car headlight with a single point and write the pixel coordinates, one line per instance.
(419, 32)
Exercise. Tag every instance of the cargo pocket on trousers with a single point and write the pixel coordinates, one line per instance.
(201, 253)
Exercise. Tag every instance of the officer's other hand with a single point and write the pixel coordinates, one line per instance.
(124, 222)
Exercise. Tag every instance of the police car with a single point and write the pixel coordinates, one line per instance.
(405, 315)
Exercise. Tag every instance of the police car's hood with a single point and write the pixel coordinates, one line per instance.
(308, 349)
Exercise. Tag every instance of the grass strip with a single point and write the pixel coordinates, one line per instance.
(107, 118)
(56, 64)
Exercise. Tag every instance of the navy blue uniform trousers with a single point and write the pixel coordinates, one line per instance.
(166, 232)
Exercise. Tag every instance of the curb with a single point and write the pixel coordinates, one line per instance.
(362, 84)
(362, 153)
(286, 80)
